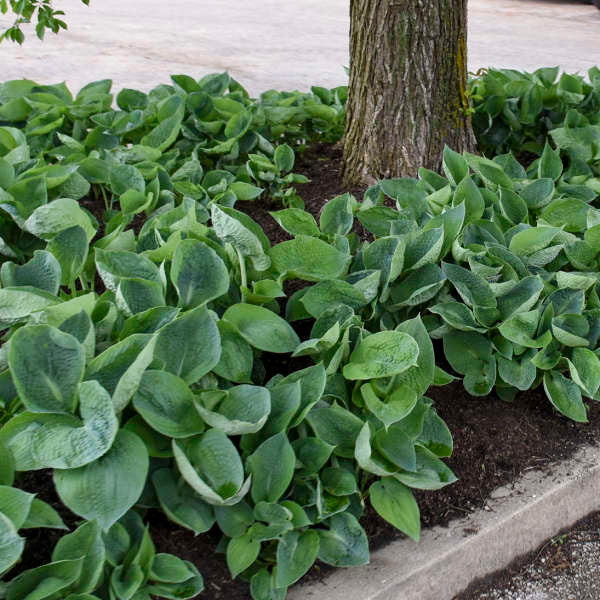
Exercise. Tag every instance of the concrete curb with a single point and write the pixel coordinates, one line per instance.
(516, 520)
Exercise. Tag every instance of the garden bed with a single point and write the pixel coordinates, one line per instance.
(494, 441)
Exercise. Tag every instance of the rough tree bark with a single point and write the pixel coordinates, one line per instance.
(408, 77)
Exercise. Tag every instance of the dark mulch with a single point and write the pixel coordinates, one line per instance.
(494, 441)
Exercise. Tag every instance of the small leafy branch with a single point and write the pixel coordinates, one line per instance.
(27, 11)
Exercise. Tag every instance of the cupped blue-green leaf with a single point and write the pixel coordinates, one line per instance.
(571, 330)
(472, 288)
(396, 504)
(41, 441)
(117, 479)
(46, 581)
(521, 297)
(15, 504)
(565, 396)
(457, 315)
(296, 553)
(198, 273)
(262, 328)
(518, 373)
(418, 287)
(46, 366)
(312, 385)
(532, 240)
(382, 354)
(337, 215)
(345, 543)
(211, 465)
(189, 346)
(189, 588)
(11, 545)
(325, 294)
(431, 473)
(52, 218)
(120, 367)
(296, 221)
(392, 408)
(18, 303)
(272, 467)
(584, 367)
(244, 409)
(86, 541)
(166, 403)
(135, 295)
(335, 425)
(454, 165)
(550, 165)
(126, 177)
(115, 265)
(424, 249)
(243, 234)
(237, 357)
(41, 514)
(181, 503)
(42, 272)
(309, 258)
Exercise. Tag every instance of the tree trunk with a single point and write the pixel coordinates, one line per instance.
(408, 78)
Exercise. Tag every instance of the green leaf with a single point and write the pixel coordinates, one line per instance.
(584, 368)
(212, 466)
(85, 541)
(237, 356)
(42, 514)
(46, 365)
(394, 408)
(272, 467)
(39, 441)
(565, 396)
(45, 581)
(119, 368)
(52, 218)
(244, 409)
(396, 504)
(382, 354)
(180, 502)
(337, 215)
(550, 164)
(126, 177)
(455, 166)
(42, 272)
(531, 240)
(345, 543)
(241, 553)
(114, 265)
(166, 403)
(296, 553)
(326, 294)
(189, 346)
(431, 474)
(164, 134)
(167, 568)
(117, 479)
(457, 315)
(11, 545)
(296, 221)
(15, 504)
(472, 288)
(245, 191)
(70, 248)
(17, 304)
(308, 258)
(335, 425)
(262, 328)
(284, 158)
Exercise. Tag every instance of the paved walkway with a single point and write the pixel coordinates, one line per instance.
(276, 44)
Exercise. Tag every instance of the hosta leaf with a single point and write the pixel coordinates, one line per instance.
(45, 581)
(181, 503)
(397, 446)
(296, 552)
(521, 297)
(571, 330)
(46, 366)
(244, 409)
(241, 553)
(138, 295)
(431, 474)
(18, 303)
(325, 294)
(418, 286)
(337, 215)
(126, 177)
(113, 266)
(397, 505)
(189, 346)
(393, 408)
(42, 272)
(117, 479)
(457, 315)
(468, 193)
(312, 385)
(166, 403)
(119, 369)
(262, 328)
(52, 218)
(167, 568)
(188, 588)
(382, 354)
(272, 467)
(15, 504)
(85, 541)
(455, 166)
(11, 545)
(550, 164)
(198, 273)
(243, 234)
(42, 514)
(473, 289)
(426, 248)
(584, 368)
(235, 363)
(565, 396)
(296, 221)
(345, 543)
(212, 466)
(519, 373)
(39, 441)
(309, 258)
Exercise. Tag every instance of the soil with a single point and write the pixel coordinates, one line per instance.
(494, 441)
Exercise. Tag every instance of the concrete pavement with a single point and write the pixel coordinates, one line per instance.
(273, 44)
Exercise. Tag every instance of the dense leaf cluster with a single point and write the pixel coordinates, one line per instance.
(137, 362)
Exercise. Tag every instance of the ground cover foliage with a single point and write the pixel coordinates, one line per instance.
(137, 359)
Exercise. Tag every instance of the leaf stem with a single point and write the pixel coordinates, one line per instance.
(243, 275)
